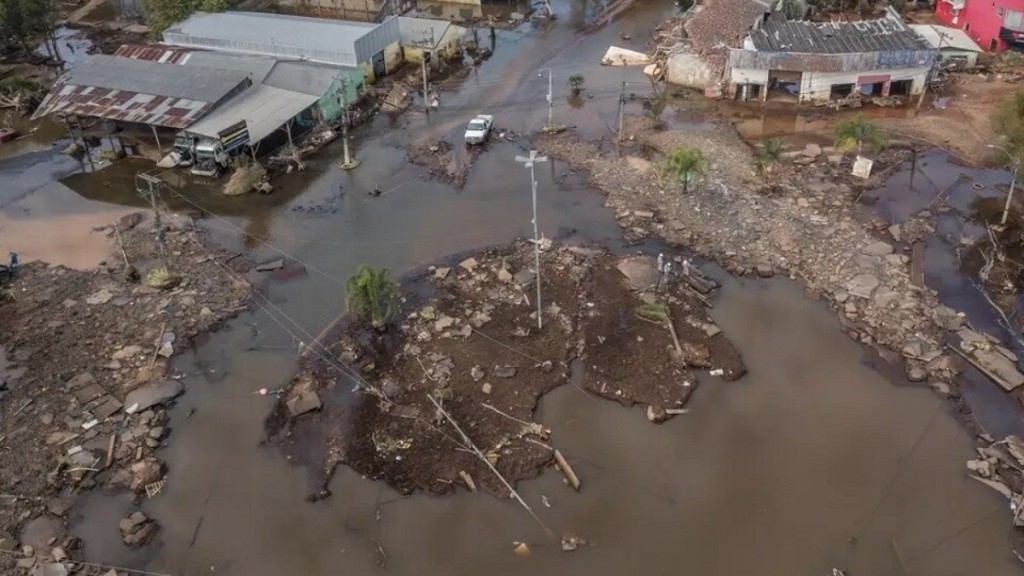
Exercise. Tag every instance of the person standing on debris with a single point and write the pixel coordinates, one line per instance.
(661, 263)
(14, 260)
(686, 267)
(375, 192)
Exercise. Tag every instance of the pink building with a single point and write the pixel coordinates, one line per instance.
(996, 25)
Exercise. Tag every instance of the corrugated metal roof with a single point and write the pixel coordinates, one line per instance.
(946, 37)
(883, 35)
(322, 40)
(264, 109)
(153, 53)
(255, 67)
(121, 106)
(303, 77)
(419, 31)
(190, 82)
(132, 90)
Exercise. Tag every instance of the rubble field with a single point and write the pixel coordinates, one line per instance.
(800, 221)
(472, 347)
(84, 380)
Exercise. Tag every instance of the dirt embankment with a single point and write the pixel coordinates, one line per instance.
(83, 392)
(800, 222)
(474, 348)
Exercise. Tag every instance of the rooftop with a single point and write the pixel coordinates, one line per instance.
(777, 34)
(157, 79)
(723, 24)
(946, 37)
(264, 109)
(273, 34)
(303, 77)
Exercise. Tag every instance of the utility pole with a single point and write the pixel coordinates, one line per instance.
(622, 107)
(427, 54)
(347, 163)
(530, 161)
(150, 193)
(551, 100)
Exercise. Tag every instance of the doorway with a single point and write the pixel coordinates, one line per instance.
(379, 70)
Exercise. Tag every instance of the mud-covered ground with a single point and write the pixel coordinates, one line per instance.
(472, 346)
(84, 376)
(800, 220)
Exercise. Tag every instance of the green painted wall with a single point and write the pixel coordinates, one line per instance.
(330, 103)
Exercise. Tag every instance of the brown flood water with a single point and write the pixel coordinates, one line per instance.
(812, 461)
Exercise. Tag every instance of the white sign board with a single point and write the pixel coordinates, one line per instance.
(862, 167)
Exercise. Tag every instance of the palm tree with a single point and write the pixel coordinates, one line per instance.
(371, 296)
(687, 163)
(576, 81)
(858, 131)
(771, 151)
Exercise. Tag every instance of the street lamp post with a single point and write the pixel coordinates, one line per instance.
(1013, 181)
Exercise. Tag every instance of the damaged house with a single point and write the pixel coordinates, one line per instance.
(815, 62)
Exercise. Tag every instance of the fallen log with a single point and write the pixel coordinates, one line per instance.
(567, 470)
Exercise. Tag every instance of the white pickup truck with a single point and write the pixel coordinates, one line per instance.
(479, 129)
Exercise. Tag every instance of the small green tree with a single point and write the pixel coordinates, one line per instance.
(576, 81)
(1008, 124)
(858, 132)
(160, 14)
(371, 296)
(769, 154)
(687, 163)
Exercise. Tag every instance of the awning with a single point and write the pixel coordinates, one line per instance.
(264, 109)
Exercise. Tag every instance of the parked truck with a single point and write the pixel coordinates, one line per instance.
(479, 129)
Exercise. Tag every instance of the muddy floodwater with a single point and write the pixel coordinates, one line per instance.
(811, 461)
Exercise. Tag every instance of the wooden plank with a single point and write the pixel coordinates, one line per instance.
(917, 265)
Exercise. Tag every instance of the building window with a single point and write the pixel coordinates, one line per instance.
(1014, 20)
(1000, 11)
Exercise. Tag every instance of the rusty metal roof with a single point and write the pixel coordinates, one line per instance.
(129, 90)
(723, 24)
(883, 35)
(153, 53)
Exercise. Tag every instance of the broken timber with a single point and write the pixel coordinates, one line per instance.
(570, 476)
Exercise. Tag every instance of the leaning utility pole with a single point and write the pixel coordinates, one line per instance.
(150, 193)
(530, 161)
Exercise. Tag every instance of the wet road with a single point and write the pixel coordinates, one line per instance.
(810, 462)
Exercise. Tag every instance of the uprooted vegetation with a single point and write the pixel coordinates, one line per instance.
(472, 351)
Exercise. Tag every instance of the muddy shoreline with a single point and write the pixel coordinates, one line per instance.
(86, 377)
(471, 345)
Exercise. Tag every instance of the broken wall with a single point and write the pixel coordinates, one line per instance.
(691, 70)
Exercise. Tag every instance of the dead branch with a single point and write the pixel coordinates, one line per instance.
(483, 458)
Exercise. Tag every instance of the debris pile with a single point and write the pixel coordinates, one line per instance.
(472, 360)
(805, 228)
(82, 402)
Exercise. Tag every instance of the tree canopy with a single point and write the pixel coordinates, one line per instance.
(160, 14)
(1008, 124)
(28, 20)
(371, 296)
(687, 163)
(858, 132)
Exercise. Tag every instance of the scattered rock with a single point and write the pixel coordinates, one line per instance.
(504, 275)
(504, 371)
(152, 395)
(145, 472)
(443, 322)
(862, 285)
(765, 270)
(486, 388)
(442, 273)
(469, 264)
(916, 374)
(100, 297)
(894, 231)
(302, 401)
(877, 249)
(477, 373)
(812, 151)
(127, 353)
(137, 529)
